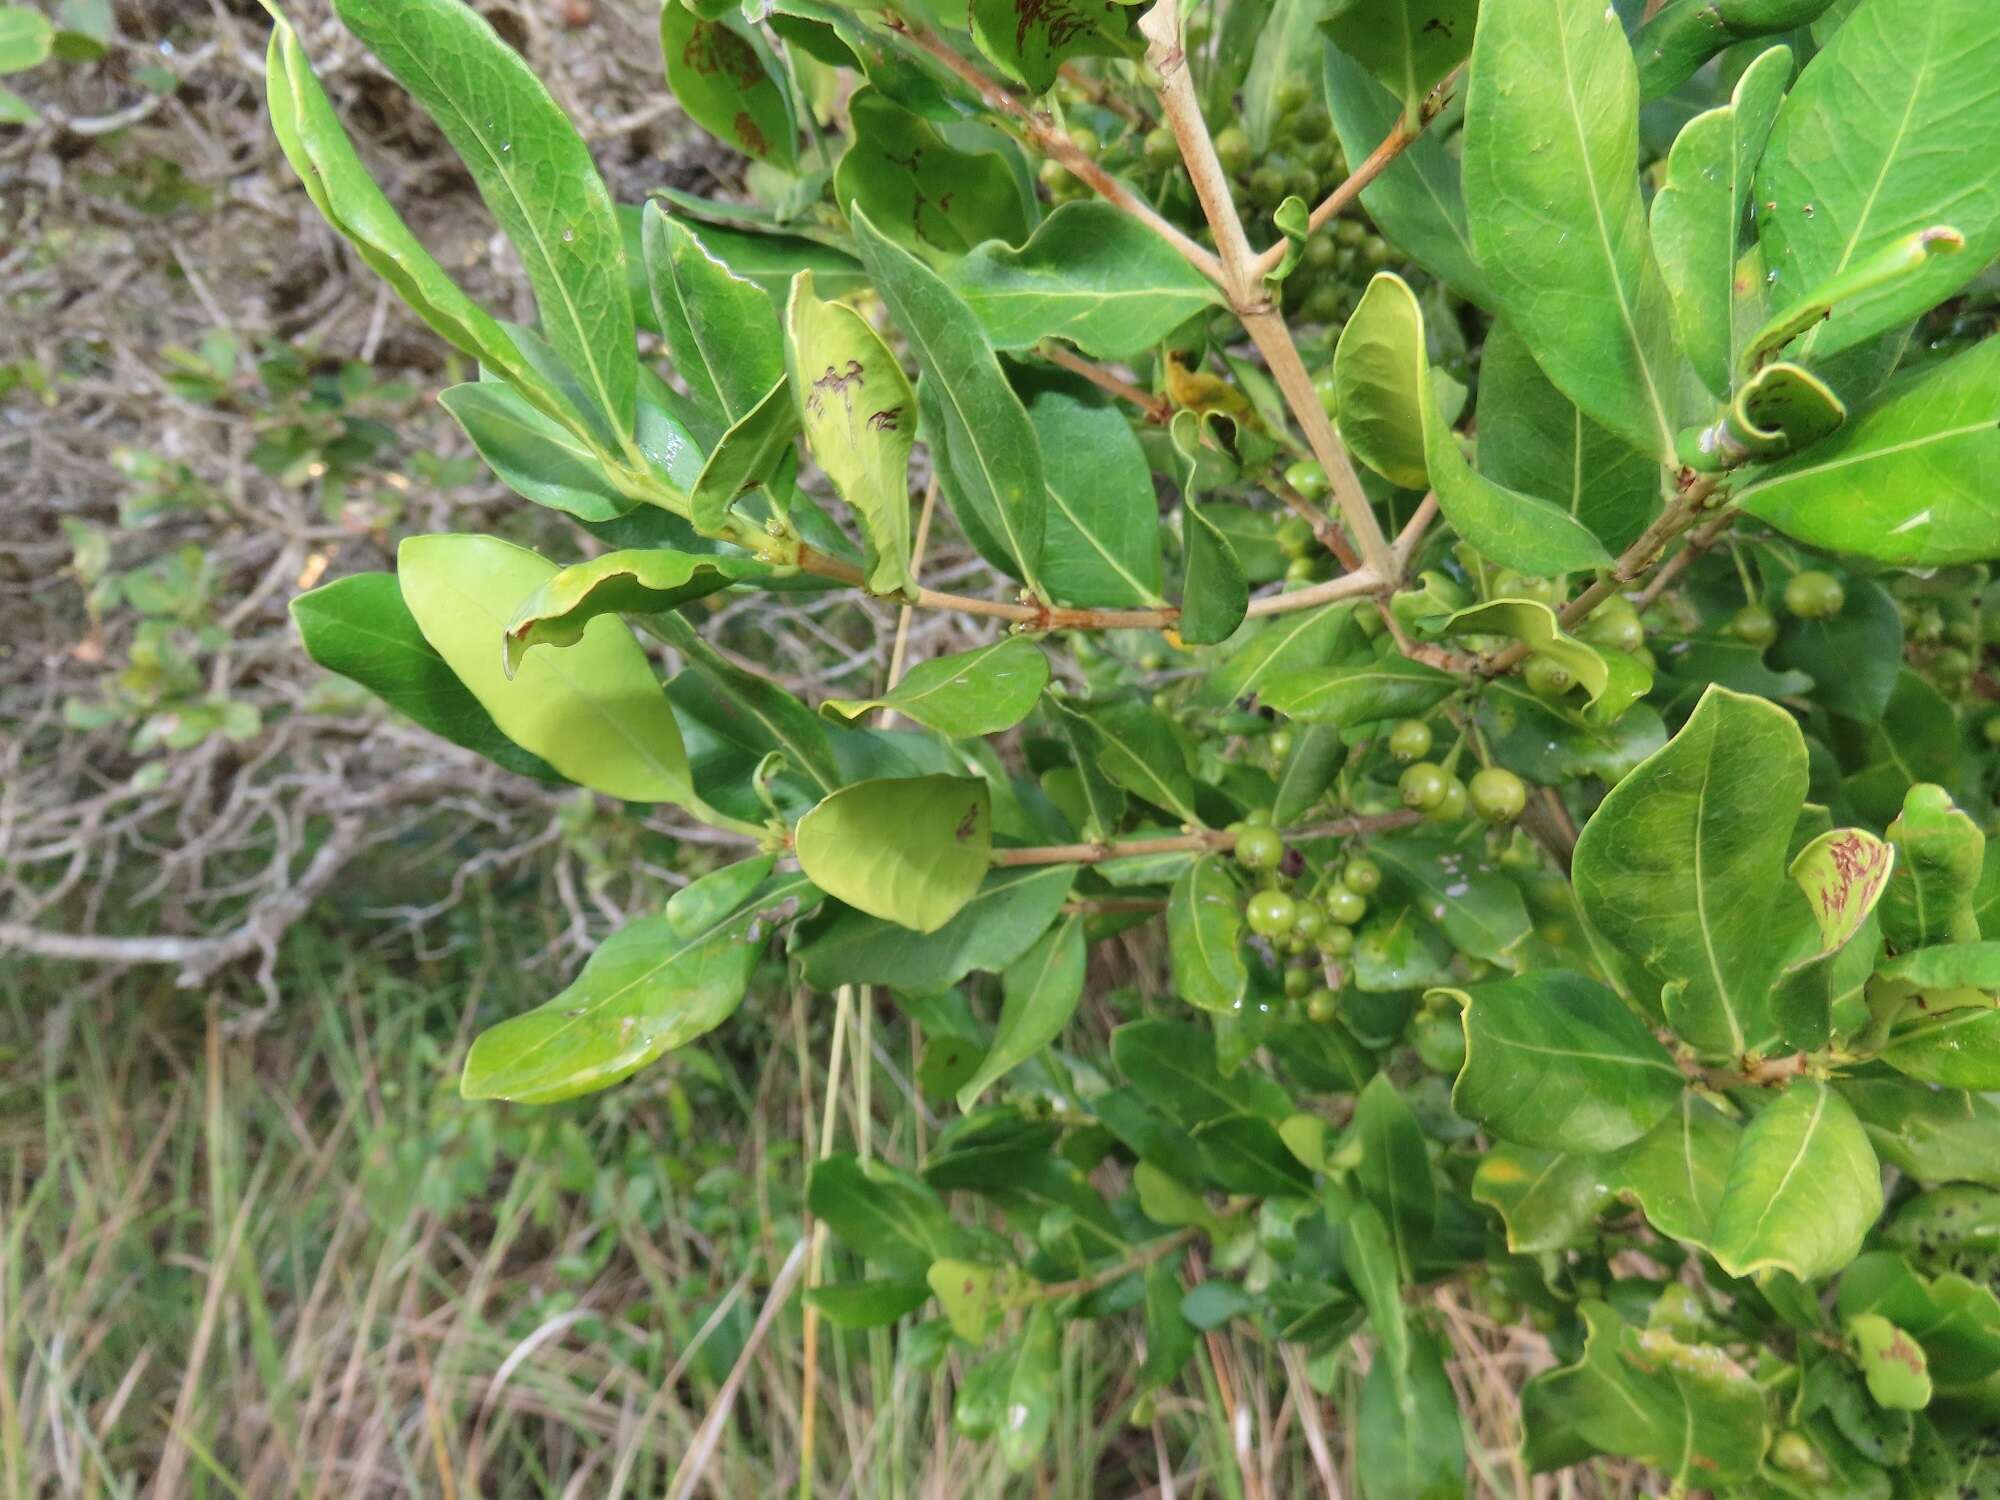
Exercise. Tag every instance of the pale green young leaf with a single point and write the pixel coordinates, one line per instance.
(26, 38)
(1898, 1375)
(1856, 163)
(1548, 1200)
(1039, 993)
(1090, 274)
(910, 851)
(992, 460)
(1551, 159)
(1204, 936)
(1804, 1189)
(646, 990)
(1893, 262)
(982, 691)
(726, 80)
(637, 582)
(707, 899)
(1681, 865)
(534, 172)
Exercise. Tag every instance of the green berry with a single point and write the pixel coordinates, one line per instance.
(1267, 187)
(1322, 1005)
(1162, 150)
(1545, 678)
(1294, 536)
(1321, 252)
(1232, 149)
(1754, 625)
(1085, 140)
(1423, 785)
(1308, 478)
(1302, 182)
(1440, 1042)
(1813, 595)
(1301, 570)
(1311, 126)
(1497, 794)
(1410, 740)
(1323, 306)
(1270, 913)
(1057, 178)
(1615, 625)
(1452, 809)
(1345, 906)
(1298, 983)
(1362, 876)
(1280, 743)
(1329, 395)
(1335, 941)
(1260, 849)
(1991, 731)
(1153, 661)
(1350, 232)
(1258, 817)
(1794, 1453)
(1292, 95)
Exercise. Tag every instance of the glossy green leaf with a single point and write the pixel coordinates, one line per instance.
(1205, 934)
(1318, 751)
(1458, 888)
(1172, 1064)
(1683, 34)
(992, 459)
(595, 711)
(1288, 643)
(908, 851)
(360, 628)
(1853, 164)
(534, 173)
(26, 38)
(646, 990)
(1533, 440)
(859, 415)
(720, 330)
(1782, 409)
(1556, 1061)
(1368, 1255)
(982, 691)
(889, 1217)
(1698, 211)
(1101, 533)
(1133, 743)
(1527, 734)
(1416, 202)
(1548, 1200)
(627, 582)
(1407, 44)
(1610, 684)
(705, 900)
(1681, 865)
(1409, 1440)
(1892, 262)
(1040, 991)
(1939, 853)
(1954, 1318)
(1010, 910)
(725, 79)
(1948, 967)
(869, 1304)
(1032, 1389)
(1852, 658)
(1934, 1135)
(1688, 1410)
(1394, 1172)
(1029, 40)
(1677, 1170)
(1214, 591)
(1391, 688)
(1103, 799)
(1170, 1338)
(1551, 142)
(919, 190)
(748, 455)
(761, 713)
(974, 1296)
(1959, 1049)
(1803, 1190)
(536, 457)
(1390, 417)
(1289, 32)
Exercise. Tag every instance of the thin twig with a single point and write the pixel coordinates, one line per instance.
(1703, 537)
(1158, 409)
(1207, 841)
(901, 649)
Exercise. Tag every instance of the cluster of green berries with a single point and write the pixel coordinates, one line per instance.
(1310, 928)
(1494, 794)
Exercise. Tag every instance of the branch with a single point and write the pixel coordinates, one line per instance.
(1033, 617)
(1207, 841)
(1052, 141)
(1703, 538)
(1158, 409)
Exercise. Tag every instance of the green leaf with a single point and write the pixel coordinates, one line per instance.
(1317, 755)
(1409, 1440)
(360, 628)
(1172, 1065)
(1040, 991)
(1842, 874)
(1688, 1410)
(1409, 44)
(1899, 1377)
(1204, 936)
(1290, 34)
(1681, 865)
(1170, 1338)
(763, 714)
(1852, 658)
(1698, 211)
(628, 582)
(1010, 910)
(26, 38)
(1293, 642)
(1416, 201)
(1392, 688)
(1939, 852)
(992, 458)
(720, 331)
(1948, 967)
(1394, 1172)
(1677, 1170)
(918, 190)
(1389, 415)
(703, 901)
(1133, 743)
(1909, 480)
(869, 1304)
(1781, 409)
(1853, 167)
(982, 691)
(1557, 1062)
(1959, 1049)
(1803, 1190)
(1684, 34)
(1895, 260)
(1032, 1390)
(646, 990)
(858, 412)
(1551, 143)
(1917, 739)
(725, 79)
(1955, 1319)
(534, 456)
(1527, 735)
(1101, 536)
(1029, 40)
(909, 851)
(1611, 681)
(1933, 1135)
(534, 173)
(887, 1216)
(974, 1296)
(1214, 592)
(1479, 909)
(1548, 1200)
(1533, 440)
(595, 712)
(748, 455)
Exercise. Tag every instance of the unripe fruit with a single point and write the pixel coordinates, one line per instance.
(1754, 625)
(1410, 740)
(1497, 794)
(1329, 396)
(1440, 1042)
(1085, 140)
(1615, 625)
(1350, 232)
(1793, 1452)
(1232, 149)
(1453, 807)
(1322, 1005)
(1308, 478)
(1270, 913)
(1294, 536)
(1280, 743)
(1267, 187)
(1508, 584)
(1258, 817)
(1950, 664)
(1302, 182)
(1991, 731)
(1320, 253)
(1162, 150)
(1362, 876)
(1345, 906)
(1813, 595)
(1260, 849)
(1301, 570)
(1424, 785)
(1312, 125)
(1298, 983)
(1308, 922)
(1545, 678)
(1323, 306)
(1292, 95)
(1335, 941)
